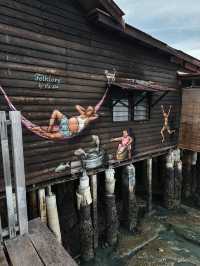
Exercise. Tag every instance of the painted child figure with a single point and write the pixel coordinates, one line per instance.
(125, 147)
(166, 123)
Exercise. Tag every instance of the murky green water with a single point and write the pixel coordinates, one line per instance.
(169, 248)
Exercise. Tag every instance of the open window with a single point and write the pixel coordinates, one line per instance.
(120, 109)
(132, 99)
(130, 106)
(141, 111)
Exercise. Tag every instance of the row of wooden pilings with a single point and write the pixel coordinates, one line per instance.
(180, 181)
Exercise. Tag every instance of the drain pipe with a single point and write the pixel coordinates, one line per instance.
(129, 199)
(84, 201)
(112, 223)
(42, 205)
(52, 214)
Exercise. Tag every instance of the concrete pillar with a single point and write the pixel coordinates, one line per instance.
(130, 209)
(84, 200)
(112, 223)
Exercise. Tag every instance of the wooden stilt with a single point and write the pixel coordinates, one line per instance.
(130, 209)
(33, 205)
(94, 209)
(149, 178)
(197, 192)
(169, 181)
(42, 206)
(173, 180)
(194, 173)
(112, 223)
(84, 201)
(187, 174)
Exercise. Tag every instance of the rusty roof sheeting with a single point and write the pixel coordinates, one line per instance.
(140, 85)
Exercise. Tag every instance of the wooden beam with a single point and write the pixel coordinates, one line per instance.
(7, 174)
(19, 173)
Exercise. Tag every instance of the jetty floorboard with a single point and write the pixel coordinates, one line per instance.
(3, 261)
(38, 247)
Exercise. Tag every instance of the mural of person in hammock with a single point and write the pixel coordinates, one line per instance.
(124, 147)
(69, 126)
(166, 127)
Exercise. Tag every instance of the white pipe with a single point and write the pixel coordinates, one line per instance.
(52, 214)
(42, 205)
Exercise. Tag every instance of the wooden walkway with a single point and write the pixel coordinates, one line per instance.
(37, 248)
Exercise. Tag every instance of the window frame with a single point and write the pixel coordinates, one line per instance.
(130, 96)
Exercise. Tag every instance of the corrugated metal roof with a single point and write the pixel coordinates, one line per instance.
(140, 85)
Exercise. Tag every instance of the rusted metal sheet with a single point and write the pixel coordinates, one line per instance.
(190, 120)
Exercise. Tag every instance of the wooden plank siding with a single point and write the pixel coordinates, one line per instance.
(56, 38)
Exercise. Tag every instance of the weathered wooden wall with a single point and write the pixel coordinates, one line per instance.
(54, 37)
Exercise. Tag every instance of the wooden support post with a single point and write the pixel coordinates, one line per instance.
(173, 180)
(33, 204)
(94, 209)
(178, 179)
(7, 174)
(149, 178)
(130, 209)
(42, 205)
(197, 192)
(112, 222)
(1, 231)
(194, 173)
(169, 181)
(187, 173)
(19, 173)
(84, 201)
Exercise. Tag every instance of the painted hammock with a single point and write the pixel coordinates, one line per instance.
(43, 130)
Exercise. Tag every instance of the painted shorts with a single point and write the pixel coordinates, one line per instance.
(64, 127)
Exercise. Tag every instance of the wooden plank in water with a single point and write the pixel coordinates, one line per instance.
(3, 261)
(49, 249)
(18, 163)
(22, 252)
(7, 174)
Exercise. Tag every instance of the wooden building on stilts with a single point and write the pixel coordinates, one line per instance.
(67, 56)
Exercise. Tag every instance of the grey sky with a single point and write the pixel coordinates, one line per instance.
(175, 22)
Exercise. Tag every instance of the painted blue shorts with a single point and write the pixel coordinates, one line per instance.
(64, 127)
